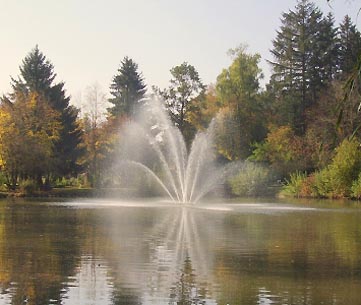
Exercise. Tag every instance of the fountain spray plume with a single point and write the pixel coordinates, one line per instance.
(152, 144)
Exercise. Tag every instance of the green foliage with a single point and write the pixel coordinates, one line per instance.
(322, 183)
(295, 184)
(252, 180)
(185, 87)
(3, 181)
(37, 76)
(283, 150)
(339, 179)
(127, 89)
(37, 73)
(350, 45)
(28, 187)
(242, 120)
(301, 67)
(68, 182)
(356, 188)
(345, 167)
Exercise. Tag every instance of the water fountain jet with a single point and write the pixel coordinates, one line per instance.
(154, 145)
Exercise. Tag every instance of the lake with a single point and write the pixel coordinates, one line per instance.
(151, 252)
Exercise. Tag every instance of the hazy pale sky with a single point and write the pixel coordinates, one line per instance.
(86, 39)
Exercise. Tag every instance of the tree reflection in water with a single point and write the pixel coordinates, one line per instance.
(157, 254)
(182, 258)
(185, 291)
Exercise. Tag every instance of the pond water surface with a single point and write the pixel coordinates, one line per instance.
(150, 252)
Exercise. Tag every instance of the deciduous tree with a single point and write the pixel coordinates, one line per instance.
(29, 130)
(238, 90)
(185, 86)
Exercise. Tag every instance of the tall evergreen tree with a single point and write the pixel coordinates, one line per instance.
(303, 54)
(350, 45)
(37, 75)
(127, 89)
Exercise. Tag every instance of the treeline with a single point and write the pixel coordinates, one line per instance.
(297, 126)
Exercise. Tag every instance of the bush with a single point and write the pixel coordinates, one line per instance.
(284, 151)
(28, 187)
(3, 182)
(356, 188)
(322, 183)
(339, 179)
(345, 168)
(294, 184)
(252, 180)
(68, 182)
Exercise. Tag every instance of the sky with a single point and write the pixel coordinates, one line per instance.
(86, 39)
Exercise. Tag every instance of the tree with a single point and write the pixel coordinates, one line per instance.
(37, 76)
(185, 86)
(127, 89)
(283, 150)
(304, 54)
(350, 46)
(94, 138)
(238, 90)
(29, 129)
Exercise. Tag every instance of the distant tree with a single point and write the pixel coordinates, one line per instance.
(93, 126)
(304, 52)
(185, 86)
(237, 89)
(205, 107)
(37, 76)
(127, 89)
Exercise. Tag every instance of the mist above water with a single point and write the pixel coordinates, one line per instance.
(152, 149)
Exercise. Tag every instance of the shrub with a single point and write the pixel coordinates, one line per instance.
(283, 150)
(294, 184)
(3, 182)
(356, 188)
(339, 179)
(68, 182)
(252, 180)
(28, 187)
(322, 184)
(345, 168)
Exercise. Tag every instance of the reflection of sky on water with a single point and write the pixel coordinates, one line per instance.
(173, 264)
(111, 253)
(169, 263)
(91, 282)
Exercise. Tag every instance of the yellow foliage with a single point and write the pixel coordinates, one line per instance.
(28, 129)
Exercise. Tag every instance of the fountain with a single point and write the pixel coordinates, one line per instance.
(155, 146)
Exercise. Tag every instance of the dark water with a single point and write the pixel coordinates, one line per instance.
(111, 252)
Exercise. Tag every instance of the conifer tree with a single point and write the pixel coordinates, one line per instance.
(127, 89)
(37, 75)
(304, 52)
(350, 45)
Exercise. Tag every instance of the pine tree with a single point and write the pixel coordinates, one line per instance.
(304, 54)
(127, 89)
(350, 45)
(37, 75)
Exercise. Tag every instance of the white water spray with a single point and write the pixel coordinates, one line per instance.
(153, 144)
